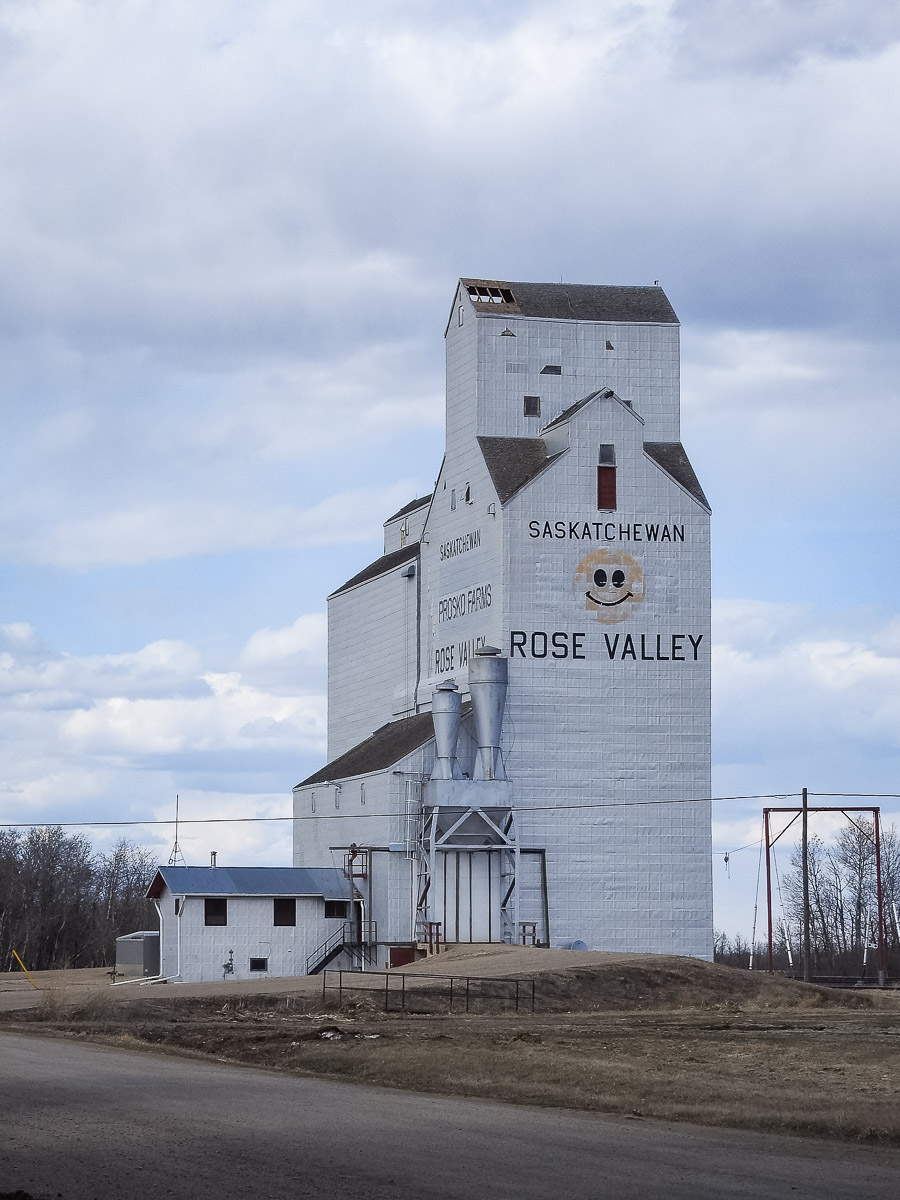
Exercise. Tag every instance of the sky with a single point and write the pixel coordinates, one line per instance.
(229, 238)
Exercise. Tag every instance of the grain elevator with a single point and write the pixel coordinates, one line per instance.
(518, 688)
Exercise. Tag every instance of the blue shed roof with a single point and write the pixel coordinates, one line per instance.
(328, 882)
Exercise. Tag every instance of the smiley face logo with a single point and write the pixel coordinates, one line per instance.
(612, 584)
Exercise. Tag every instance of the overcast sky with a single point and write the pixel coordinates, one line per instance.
(229, 237)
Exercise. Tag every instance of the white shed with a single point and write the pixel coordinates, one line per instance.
(252, 922)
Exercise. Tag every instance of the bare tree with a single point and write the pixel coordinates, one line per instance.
(63, 905)
(843, 896)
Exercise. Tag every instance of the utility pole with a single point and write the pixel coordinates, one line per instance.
(805, 855)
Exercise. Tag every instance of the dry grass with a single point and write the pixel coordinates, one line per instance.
(666, 1038)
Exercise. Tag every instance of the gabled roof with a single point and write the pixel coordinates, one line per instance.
(604, 394)
(411, 507)
(572, 301)
(327, 882)
(570, 412)
(674, 461)
(382, 749)
(381, 566)
(512, 462)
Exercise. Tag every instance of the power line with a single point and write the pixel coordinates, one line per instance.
(358, 816)
(859, 795)
(749, 846)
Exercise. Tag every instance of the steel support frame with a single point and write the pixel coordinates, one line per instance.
(503, 840)
(846, 809)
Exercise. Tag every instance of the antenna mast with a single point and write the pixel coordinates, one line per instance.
(176, 858)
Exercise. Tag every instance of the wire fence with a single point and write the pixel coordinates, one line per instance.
(406, 992)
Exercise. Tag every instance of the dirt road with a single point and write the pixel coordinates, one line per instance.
(83, 1121)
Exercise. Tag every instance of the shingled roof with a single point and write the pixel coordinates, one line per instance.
(674, 461)
(380, 566)
(386, 746)
(572, 301)
(411, 507)
(512, 462)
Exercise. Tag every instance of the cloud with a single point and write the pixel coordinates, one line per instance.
(278, 658)
(794, 689)
(109, 734)
(168, 530)
(775, 35)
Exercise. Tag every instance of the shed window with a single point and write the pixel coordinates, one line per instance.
(285, 911)
(215, 911)
(259, 964)
(337, 908)
(532, 406)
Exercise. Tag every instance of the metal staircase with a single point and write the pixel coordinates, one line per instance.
(358, 939)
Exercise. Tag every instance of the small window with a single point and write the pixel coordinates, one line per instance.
(259, 964)
(609, 345)
(460, 314)
(551, 370)
(215, 911)
(468, 495)
(177, 905)
(607, 456)
(362, 793)
(532, 406)
(337, 908)
(312, 801)
(284, 911)
(337, 796)
(453, 499)
(606, 488)
(490, 295)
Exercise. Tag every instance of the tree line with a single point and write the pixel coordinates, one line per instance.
(843, 907)
(62, 904)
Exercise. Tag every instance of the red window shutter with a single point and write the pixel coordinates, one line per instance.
(606, 487)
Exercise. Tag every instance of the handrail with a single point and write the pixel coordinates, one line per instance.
(321, 952)
(351, 934)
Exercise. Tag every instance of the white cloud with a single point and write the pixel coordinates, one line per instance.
(108, 734)
(791, 688)
(212, 526)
